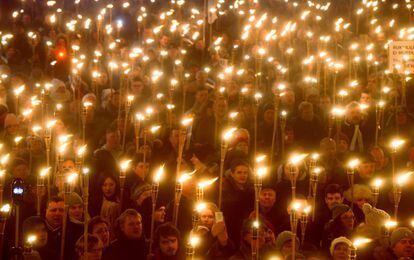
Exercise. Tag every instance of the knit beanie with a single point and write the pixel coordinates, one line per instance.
(74, 199)
(284, 237)
(339, 240)
(400, 233)
(339, 209)
(139, 190)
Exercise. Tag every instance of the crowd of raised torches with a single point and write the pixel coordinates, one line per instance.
(322, 64)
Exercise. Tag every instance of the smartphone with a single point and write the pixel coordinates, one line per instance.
(219, 216)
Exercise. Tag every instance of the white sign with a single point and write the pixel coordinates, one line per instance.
(401, 57)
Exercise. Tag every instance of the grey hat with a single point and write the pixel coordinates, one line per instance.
(74, 199)
(139, 190)
(339, 209)
(284, 237)
(400, 233)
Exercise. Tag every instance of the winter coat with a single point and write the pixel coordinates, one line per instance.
(124, 248)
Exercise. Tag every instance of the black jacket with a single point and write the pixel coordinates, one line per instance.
(124, 248)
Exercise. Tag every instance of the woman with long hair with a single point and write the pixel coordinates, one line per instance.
(106, 201)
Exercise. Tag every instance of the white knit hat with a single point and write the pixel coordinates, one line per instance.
(339, 240)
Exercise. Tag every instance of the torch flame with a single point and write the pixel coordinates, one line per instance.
(206, 183)
(81, 150)
(159, 174)
(125, 165)
(44, 172)
(229, 133)
(260, 158)
(71, 177)
(194, 240)
(261, 171)
(139, 117)
(315, 156)
(50, 123)
(155, 128)
(307, 210)
(200, 206)
(397, 143)
(353, 163)
(377, 183)
(31, 239)
(297, 158)
(4, 159)
(338, 111)
(403, 178)
(296, 205)
(5, 208)
(361, 241)
(187, 121)
(185, 176)
(390, 224)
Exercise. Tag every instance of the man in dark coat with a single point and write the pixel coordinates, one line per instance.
(130, 242)
(54, 220)
(307, 128)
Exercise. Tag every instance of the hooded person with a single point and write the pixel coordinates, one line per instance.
(362, 194)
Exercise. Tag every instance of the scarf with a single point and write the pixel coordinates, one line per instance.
(357, 140)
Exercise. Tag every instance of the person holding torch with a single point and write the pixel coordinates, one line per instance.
(237, 190)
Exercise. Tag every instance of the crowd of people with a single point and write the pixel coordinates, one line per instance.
(205, 130)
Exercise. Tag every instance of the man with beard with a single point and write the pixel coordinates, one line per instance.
(167, 241)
